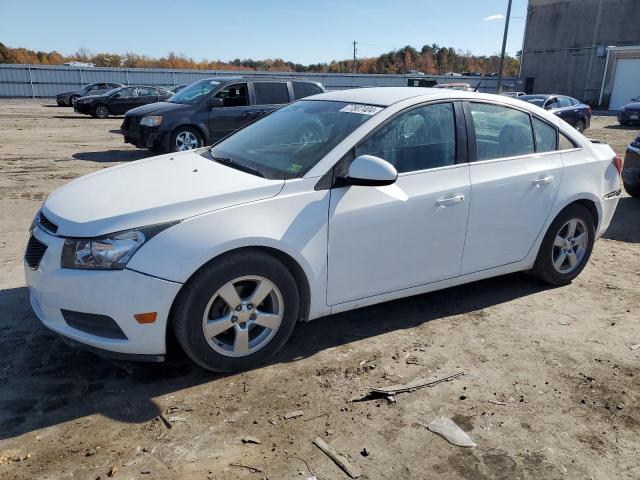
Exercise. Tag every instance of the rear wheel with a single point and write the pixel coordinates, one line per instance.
(566, 247)
(101, 111)
(185, 138)
(237, 312)
(580, 125)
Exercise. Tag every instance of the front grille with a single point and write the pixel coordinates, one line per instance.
(47, 224)
(99, 325)
(35, 252)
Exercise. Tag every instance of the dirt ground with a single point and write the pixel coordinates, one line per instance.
(558, 363)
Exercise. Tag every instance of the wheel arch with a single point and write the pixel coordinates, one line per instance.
(304, 288)
(196, 126)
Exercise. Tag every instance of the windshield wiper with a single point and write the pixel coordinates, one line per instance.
(238, 166)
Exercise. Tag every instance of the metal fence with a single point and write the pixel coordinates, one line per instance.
(46, 81)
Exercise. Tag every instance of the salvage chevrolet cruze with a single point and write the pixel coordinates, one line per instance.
(328, 204)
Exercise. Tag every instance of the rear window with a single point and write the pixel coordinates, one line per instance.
(305, 89)
(271, 93)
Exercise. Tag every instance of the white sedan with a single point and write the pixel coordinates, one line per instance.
(331, 203)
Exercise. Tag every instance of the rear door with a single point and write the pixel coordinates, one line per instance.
(234, 113)
(515, 176)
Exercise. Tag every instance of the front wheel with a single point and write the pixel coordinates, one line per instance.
(101, 111)
(185, 138)
(566, 247)
(237, 312)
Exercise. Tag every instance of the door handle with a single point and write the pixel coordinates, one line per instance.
(445, 202)
(543, 181)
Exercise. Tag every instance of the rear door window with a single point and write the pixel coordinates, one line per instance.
(565, 102)
(305, 89)
(271, 93)
(565, 143)
(545, 136)
(147, 92)
(501, 131)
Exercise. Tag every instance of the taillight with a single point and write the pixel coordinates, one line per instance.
(589, 109)
(617, 161)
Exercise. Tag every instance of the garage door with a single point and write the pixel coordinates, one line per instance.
(626, 82)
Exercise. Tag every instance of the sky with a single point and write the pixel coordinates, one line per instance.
(302, 31)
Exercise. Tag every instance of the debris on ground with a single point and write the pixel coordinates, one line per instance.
(635, 347)
(112, 471)
(250, 468)
(364, 452)
(451, 432)
(496, 402)
(294, 414)
(249, 439)
(414, 385)
(352, 470)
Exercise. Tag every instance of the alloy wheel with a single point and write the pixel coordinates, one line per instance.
(570, 246)
(580, 126)
(242, 316)
(102, 111)
(186, 141)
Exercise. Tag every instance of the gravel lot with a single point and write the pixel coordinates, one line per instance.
(557, 362)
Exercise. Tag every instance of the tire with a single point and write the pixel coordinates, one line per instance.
(72, 100)
(633, 190)
(551, 251)
(623, 123)
(222, 349)
(185, 138)
(580, 125)
(101, 111)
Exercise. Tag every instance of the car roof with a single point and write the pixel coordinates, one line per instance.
(385, 96)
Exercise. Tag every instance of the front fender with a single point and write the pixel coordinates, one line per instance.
(294, 223)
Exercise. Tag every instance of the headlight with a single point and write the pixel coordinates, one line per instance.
(151, 120)
(622, 109)
(111, 252)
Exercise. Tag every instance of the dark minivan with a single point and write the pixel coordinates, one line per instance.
(210, 109)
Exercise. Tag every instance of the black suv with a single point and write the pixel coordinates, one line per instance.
(207, 110)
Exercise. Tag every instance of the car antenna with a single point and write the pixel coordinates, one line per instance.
(479, 83)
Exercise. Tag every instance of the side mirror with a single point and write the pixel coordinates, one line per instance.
(215, 102)
(370, 171)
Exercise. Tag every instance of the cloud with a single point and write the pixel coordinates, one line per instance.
(497, 16)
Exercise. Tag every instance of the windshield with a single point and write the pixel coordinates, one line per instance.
(111, 92)
(291, 140)
(534, 99)
(195, 92)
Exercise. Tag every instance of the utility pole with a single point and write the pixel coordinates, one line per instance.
(354, 56)
(504, 46)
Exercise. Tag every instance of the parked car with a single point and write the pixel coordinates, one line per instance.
(120, 100)
(572, 111)
(210, 109)
(630, 113)
(176, 88)
(513, 94)
(631, 169)
(331, 203)
(69, 98)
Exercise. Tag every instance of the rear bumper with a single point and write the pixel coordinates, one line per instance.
(631, 168)
(629, 117)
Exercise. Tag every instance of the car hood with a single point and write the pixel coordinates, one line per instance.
(155, 190)
(632, 107)
(156, 108)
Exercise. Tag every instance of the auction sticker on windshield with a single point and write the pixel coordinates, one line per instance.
(361, 109)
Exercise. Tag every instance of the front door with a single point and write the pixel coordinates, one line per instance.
(234, 113)
(514, 183)
(384, 239)
(123, 101)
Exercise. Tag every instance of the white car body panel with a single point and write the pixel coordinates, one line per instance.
(423, 240)
(356, 246)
